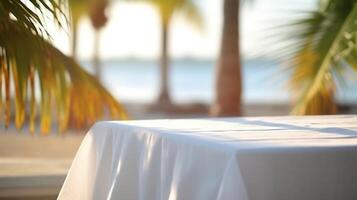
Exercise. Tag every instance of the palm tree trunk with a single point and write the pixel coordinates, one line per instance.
(74, 41)
(164, 96)
(228, 73)
(96, 61)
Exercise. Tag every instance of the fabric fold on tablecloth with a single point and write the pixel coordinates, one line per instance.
(133, 163)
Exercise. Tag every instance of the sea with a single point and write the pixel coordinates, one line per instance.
(265, 81)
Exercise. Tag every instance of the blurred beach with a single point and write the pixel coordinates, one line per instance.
(265, 81)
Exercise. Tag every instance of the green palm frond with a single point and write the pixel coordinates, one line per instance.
(31, 18)
(325, 41)
(38, 72)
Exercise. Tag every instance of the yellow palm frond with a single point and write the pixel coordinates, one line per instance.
(167, 8)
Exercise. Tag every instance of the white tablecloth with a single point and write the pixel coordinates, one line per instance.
(279, 158)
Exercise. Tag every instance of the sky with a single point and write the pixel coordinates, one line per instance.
(133, 30)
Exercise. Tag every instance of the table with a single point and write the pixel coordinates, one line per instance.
(263, 158)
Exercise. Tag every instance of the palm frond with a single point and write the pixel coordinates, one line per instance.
(79, 8)
(193, 14)
(31, 65)
(167, 8)
(326, 40)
